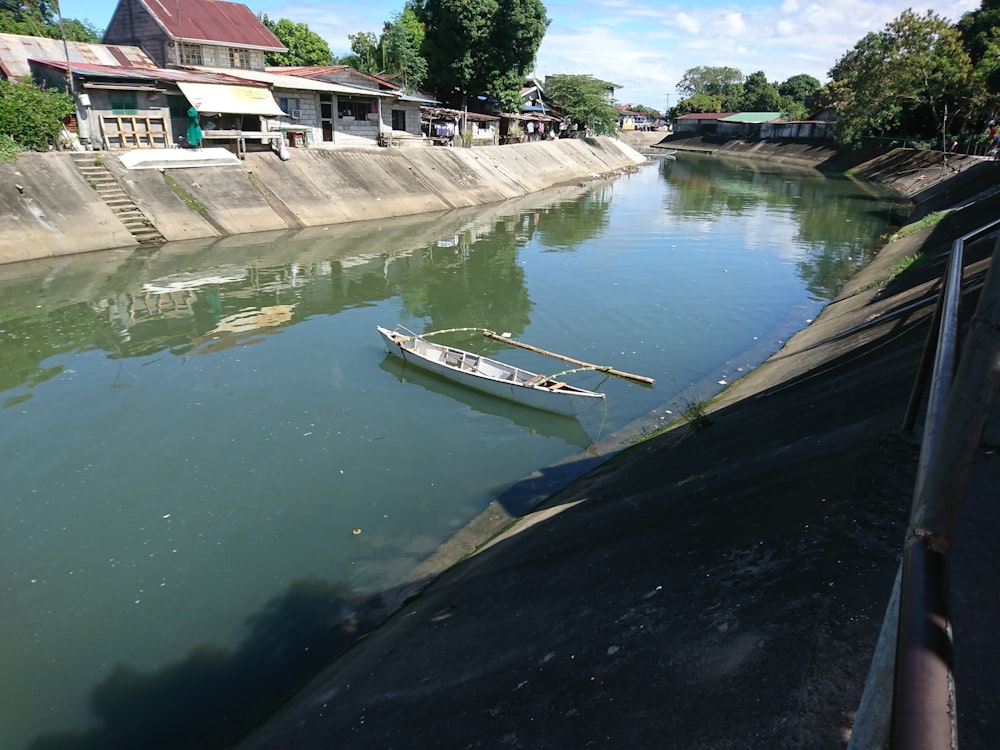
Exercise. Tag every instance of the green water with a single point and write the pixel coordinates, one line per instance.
(212, 472)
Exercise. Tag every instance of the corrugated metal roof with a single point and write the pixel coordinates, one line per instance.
(212, 21)
(151, 73)
(330, 73)
(706, 116)
(753, 117)
(305, 84)
(16, 50)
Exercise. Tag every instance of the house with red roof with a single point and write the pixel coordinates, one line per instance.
(210, 33)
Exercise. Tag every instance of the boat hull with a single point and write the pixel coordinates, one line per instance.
(489, 375)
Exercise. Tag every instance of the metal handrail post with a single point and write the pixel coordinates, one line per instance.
(924, 714)
(871, 728)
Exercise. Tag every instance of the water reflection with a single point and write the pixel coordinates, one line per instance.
(201, 701)
(534, 422)
(196, 297)
(834, 219)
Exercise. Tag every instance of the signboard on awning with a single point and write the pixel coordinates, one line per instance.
(217, 98)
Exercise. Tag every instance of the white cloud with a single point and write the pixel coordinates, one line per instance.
(786, 27)
(781, 37)
(733, 24)
(647, 46)
(687, 23)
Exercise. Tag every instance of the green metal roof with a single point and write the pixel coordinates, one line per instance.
(753, 117)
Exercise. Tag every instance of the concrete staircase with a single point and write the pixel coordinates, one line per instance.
(111, 192)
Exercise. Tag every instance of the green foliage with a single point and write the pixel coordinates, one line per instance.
(721, 84)
(8, 149)
(30, 116)
(698, 103)
(401, 42)
(40, 18)
(929, 220)
(980, 31)
(800, 88)
(479, 46)
(305, 47)
(585, 100)
(901, 79)
(189, 200)
(510, 100)
(711, 89)
(82, 31)
(31, 19)
(759, 95)
(366, 56)
(654, 113)
(695, 414)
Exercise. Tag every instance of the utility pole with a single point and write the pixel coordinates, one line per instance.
(944, 133)
(69, 67)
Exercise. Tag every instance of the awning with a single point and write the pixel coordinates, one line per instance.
(216, 98)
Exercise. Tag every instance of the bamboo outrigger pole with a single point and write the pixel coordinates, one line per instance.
(600, 368)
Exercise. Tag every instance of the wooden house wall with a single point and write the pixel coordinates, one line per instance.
(215, 56)
(132, 24)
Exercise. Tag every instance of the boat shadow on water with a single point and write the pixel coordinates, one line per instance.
(535, 421)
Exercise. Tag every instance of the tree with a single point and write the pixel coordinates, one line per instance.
(401, 42)
(697, 103)
(759, 95)
(81, 31)
(980, 32)
(585, 100)
(366, 55)
(722, 83)
(40, 18)
(902, 79)
(800, 88)
(305, 47)
(32, 117)
(479, 46)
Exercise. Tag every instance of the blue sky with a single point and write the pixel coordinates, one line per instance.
(643, 45)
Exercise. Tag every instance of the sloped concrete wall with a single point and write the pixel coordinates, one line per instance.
(49, 209)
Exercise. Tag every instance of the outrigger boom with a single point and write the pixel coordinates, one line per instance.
(586, 365)
(507, 340)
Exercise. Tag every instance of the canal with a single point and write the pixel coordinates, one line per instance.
(214, 479)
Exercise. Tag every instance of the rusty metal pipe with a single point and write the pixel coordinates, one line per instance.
(924, 693)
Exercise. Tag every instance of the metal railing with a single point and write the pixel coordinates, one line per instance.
(911, 670)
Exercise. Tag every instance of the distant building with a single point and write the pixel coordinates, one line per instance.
(753, 125)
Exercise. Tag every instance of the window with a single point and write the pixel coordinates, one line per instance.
(239, 58)
(123, 103)
(290, 106)
(356, 108)
(189, 54)
(399, 119)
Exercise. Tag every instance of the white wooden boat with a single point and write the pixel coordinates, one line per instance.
(489, 375)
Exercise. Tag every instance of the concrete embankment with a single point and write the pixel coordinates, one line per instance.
(713, 587)
(51, 209)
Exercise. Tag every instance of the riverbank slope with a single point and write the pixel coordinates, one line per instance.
(56, 203)
(713, 587)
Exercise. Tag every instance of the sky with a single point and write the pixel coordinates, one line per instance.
(644, 46)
